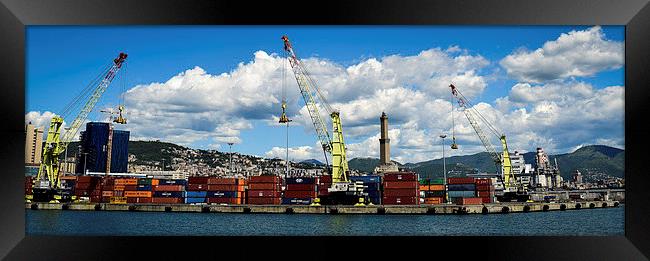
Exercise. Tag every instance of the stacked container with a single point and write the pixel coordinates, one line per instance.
(485, 190)
(372, 185)
(264, 190)
(300, 190)
(108, 189)
(462, 191)
(432, 191)
(401, 188)
(324, 182)
(68, 182)
(88, 186)
(225, 190)
(196, 190)
(135, 191)
(169, 191)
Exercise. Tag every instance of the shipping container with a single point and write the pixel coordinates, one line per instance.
(263, 194)
(296, 201)
(401, 176)
(467, 201)
(300, 194)
(485, 194)
(197, 187)
(460, 180)
(264, 201)
(225, 181)
(126, 181)
(119, 187)
(461, 194)
(484, 187)
(400, 193)
(107, 193)
(169, 194)
(143, 187)
(222, 194)
(374, 193)
(197, 180)
(137, 194)
(195, 200)
(400, 184)
(117, 200)
(172, 182)
(326, 179)
(147, 181)
(166, 200)
(169, 188)
(131, 187)
(196, 194)
(461, 187)
(146, 200)
(233, 201)
(434, 200)
(366, 179)
(302, 187)
(434, 193)
(371, 186)
(481, 181)
(225, 188)
(301, 180)
(486, 200)
(401, 200)
(88, 179)
(264, 186)
(265, 179)
(87, 186)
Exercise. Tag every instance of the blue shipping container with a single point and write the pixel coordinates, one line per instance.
(461, 194)
(222, 194)
(375, 200)
(373, 186)
(435, 193)
(196, 194)
(143, 188)
(296, 201)
(169, 194)
(374, 193)
(194, 200)
(366, 179)
(172, 182)
(300, 180)
(461, 187)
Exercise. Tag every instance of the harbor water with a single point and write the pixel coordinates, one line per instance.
(592, 222)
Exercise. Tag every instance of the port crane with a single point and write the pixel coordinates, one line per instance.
(342, 190)
(48, 185)
(512, 190)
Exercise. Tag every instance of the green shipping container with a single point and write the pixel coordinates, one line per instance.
(145, 181)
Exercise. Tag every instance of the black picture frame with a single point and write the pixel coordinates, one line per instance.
(16, 14)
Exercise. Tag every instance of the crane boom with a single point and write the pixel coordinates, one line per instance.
(500, 159)
(334, 145)
(56, 143)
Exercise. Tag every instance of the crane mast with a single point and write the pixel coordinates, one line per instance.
(500, 159)
(56, 143)
(334, 145)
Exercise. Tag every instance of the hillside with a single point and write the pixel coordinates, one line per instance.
(593, 159)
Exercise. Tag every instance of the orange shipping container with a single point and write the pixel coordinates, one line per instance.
(137, 194)
(118, 187)
(436, 187)
(107, 193)
(435, 200)
(126, 181)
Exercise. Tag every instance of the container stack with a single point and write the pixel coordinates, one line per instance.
(108, 189)
(485, 190)
(401, 188)
(135, 191)
(68, 182)
(462, 191)
(225, 190)
(432, 191)
(196, 190)
(89, 186)
(264, 190)
(300, 190)
(324, 182)
(372, 186)
(169, 191)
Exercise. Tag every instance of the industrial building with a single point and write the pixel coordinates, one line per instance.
(33, 144)
(95, 149)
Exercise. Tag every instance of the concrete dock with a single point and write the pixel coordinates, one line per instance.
(494, 208)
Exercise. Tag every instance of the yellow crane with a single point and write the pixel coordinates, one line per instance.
(342, 190)
(512, 190)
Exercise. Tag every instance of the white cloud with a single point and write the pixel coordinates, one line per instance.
(573, 54)
(38, 119)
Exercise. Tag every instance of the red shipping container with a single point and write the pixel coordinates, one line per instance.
(305, 187)
(263, 194)
(139, 200)
(468, 201)
(107, 193)
(168, 188)
(401, 200)
(131, 187)
(167, 200)
(401, 184)
(484, 188)
(88, 193)
(264, 201)
(197, 180)
(401, 176)
(87, 186)
(108, 187)
(326, 179)
(485, 193)
(87, 179)
(460, 180)
(95, 199)
(486, 200)
(224, 200)
(225, 187)
(197, 187)
(401, 193)
(483, 181)
(300, 194)
(264, 186)
(265, 179)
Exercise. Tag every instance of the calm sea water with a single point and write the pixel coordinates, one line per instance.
(605, 222)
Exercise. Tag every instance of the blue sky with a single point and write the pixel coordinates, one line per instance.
(61, 60)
